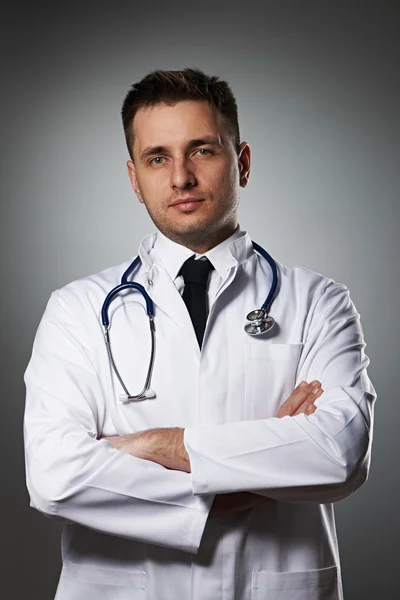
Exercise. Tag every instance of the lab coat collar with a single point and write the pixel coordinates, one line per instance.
(160, 285)
(157, 248)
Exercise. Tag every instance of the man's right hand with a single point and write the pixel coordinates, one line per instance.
(301, 400)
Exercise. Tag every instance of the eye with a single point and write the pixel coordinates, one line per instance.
(155, 158)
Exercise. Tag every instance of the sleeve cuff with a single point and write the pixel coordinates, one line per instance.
(197, 525)
(198, 472)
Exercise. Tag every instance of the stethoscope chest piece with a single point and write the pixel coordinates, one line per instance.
(259, 322)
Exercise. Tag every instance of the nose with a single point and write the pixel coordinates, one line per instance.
(182, 175)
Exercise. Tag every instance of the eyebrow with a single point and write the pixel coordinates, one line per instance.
(208, 139)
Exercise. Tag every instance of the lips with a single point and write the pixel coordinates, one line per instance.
(184, 200)
(187, 204)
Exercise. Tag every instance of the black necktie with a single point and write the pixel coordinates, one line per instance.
(195, 275)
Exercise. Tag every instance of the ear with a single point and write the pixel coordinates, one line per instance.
(244, 163)
(134, 181)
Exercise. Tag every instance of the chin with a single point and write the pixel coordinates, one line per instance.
(193, 225)
(194, 231)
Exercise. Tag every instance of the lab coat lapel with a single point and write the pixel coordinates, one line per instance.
(166, 298)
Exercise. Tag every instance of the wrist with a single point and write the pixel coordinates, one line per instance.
(165, 446)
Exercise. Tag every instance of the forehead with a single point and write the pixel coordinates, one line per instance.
(166, 124)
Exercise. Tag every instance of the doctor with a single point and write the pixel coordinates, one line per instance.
(220, 483)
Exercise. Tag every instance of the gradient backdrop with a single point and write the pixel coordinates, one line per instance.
(317, 86)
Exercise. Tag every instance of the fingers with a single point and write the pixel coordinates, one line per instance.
(308, 406)
(297, 398)
(302, 397)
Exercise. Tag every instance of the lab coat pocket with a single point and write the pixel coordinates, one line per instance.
(301, 585)
(270, 376)
(87, 582)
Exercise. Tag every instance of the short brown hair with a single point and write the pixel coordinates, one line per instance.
(170, 87)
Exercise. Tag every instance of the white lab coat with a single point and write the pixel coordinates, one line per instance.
(136, 530)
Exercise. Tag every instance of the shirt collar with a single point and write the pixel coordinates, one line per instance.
(157, 248)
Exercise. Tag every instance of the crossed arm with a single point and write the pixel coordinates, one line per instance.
(165, 446)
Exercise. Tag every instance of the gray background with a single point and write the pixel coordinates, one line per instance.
(318, 94)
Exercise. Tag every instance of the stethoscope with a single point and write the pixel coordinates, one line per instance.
(259, 321)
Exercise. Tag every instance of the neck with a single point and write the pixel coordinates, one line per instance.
(200, 246)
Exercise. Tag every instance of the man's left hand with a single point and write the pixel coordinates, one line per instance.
(162, 445)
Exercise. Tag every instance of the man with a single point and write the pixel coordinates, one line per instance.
(219, 482)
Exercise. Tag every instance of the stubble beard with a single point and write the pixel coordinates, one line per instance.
(201, 232)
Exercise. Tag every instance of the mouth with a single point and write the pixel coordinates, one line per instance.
(187, 204)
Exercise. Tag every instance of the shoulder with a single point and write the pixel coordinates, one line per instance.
(88, 293)
(312, 290)
(324, 299)
(308, 279)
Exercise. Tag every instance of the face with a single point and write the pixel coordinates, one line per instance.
(187, 173)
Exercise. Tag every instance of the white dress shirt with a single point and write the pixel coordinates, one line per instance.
(172, 255)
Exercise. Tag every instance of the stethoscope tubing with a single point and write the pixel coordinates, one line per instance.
(267, 304)
(259, 317)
